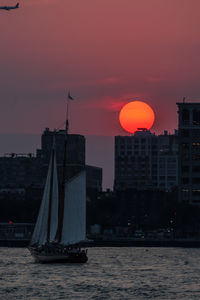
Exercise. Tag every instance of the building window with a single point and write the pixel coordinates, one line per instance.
(185, 133)
(196, 169)
(171, 178)
(185, 180)
(185, 116)
(196, 193)
(185, 193)
(195, 133)
(196, 146)
(185, 157)
(196, 157)
(185, 168)
(196, 180)
(195, 201)
(185, 145)
(196, 117)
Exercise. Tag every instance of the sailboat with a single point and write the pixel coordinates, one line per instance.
(61, 224)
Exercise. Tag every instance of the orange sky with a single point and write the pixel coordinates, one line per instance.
(106, 52)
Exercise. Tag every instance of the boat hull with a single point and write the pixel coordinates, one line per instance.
(60, 259)
(71, 257)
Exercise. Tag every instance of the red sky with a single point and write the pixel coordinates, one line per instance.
(106, 52)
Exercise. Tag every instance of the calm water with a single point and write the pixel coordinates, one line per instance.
(111, 273)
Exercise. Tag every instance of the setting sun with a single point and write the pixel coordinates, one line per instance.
(136, 114)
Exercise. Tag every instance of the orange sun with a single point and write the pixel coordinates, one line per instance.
(136, 114)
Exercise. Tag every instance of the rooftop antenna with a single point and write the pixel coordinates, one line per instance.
(67, 113)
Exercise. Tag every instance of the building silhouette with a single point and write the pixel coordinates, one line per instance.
(20, 171)
(189, 152)
(146, 161)
(75, 157)
(75, 151)
(23, 176)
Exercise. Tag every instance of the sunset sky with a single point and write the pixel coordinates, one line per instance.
(105, 52)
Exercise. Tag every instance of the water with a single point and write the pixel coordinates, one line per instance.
(110, 273)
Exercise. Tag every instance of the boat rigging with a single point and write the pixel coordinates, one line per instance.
(61, 224)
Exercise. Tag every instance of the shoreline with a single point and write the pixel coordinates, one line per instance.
(184, 243)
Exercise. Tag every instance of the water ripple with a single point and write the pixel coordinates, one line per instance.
(111, 273)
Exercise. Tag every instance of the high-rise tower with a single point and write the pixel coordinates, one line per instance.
(146, 161)
(189, 152)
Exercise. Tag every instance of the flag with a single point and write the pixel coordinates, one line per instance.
(69, 96)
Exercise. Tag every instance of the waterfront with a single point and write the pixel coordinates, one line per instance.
(111, 273)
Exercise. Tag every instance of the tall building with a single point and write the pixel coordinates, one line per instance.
(75, 151)
(167, 161)
(75, 156)
(189, 152)
(146, 161)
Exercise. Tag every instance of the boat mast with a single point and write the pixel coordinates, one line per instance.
(62, 190)
(51, 191)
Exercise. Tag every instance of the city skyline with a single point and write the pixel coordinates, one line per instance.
(105, 94)
(106, 54)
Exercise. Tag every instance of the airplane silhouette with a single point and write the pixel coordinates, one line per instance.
(10, 7)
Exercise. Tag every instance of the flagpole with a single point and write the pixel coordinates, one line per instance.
(67, 117)
(67, 113)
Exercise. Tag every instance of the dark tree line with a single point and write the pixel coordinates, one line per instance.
(145, 210)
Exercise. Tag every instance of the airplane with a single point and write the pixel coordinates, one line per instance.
(10, 7)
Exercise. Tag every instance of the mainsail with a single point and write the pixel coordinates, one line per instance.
(74, 217)
(48, 214)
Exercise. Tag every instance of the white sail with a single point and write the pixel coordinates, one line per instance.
(40, 232)
(54, 208)
(74, 220)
